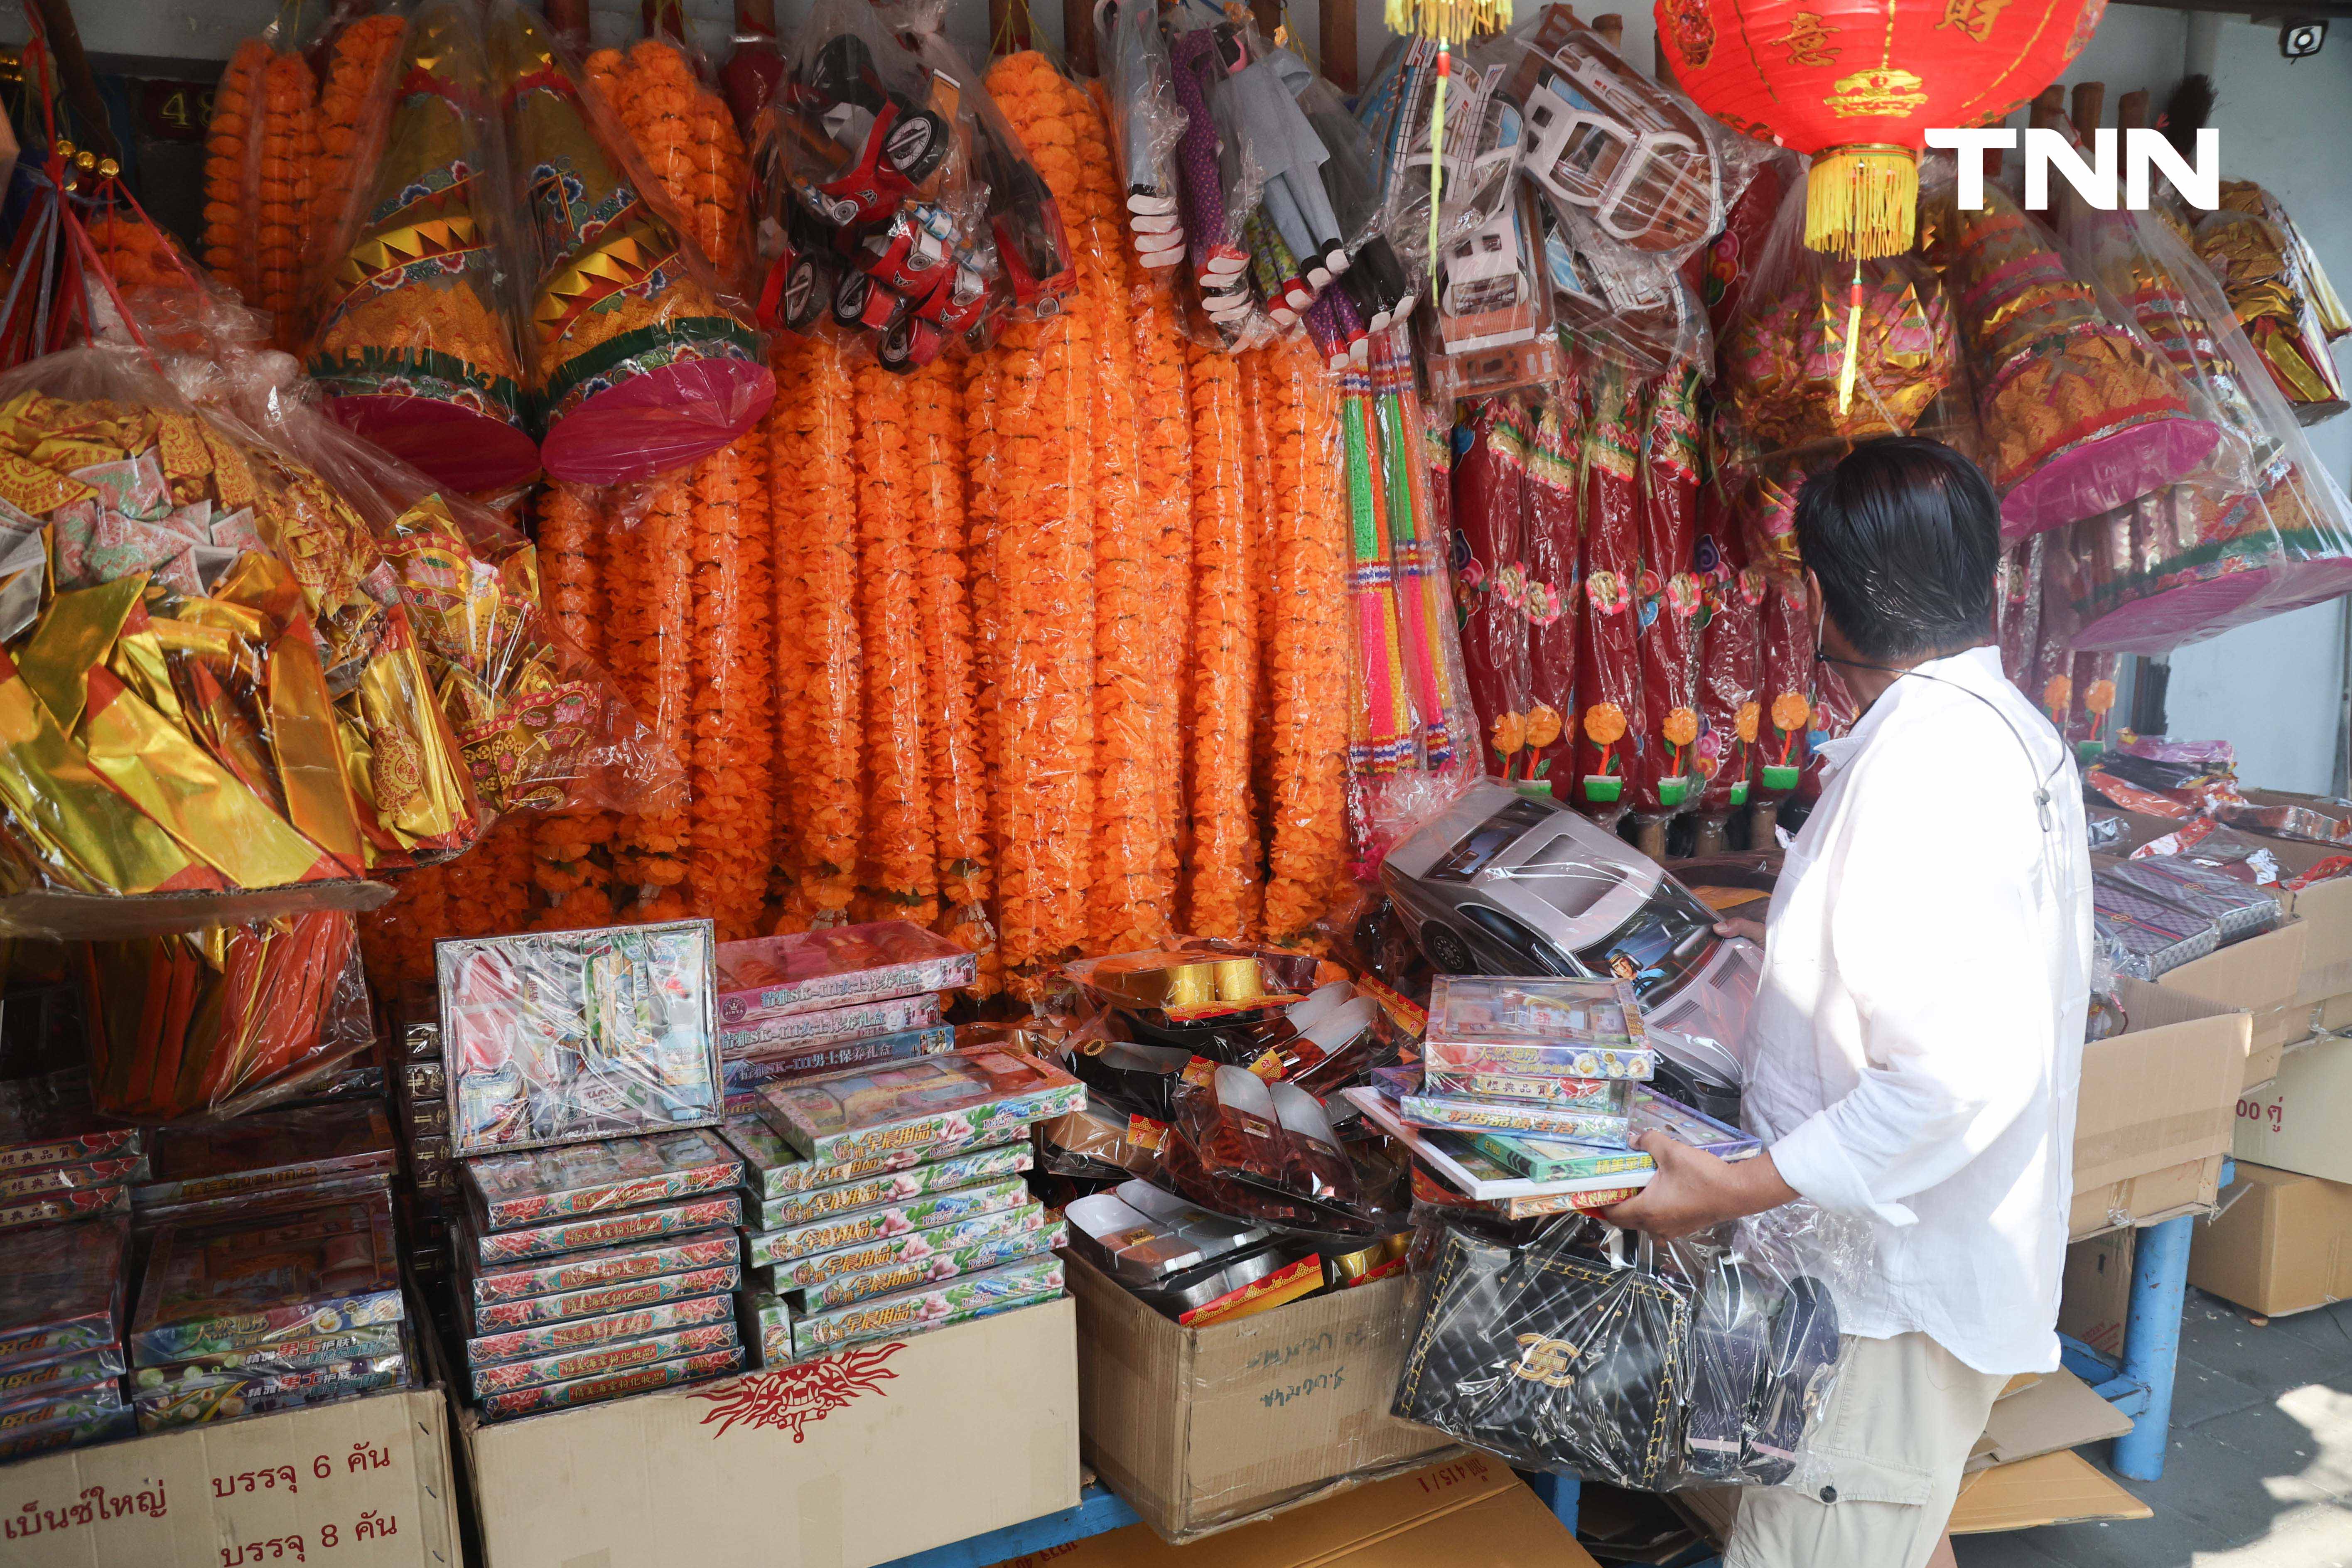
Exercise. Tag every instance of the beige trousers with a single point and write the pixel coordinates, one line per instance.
(1875, 1485)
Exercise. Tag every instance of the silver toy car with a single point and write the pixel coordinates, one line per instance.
(1501, 883)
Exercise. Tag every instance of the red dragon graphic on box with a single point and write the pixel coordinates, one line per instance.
(789, 1397)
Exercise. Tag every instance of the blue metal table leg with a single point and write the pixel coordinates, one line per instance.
(1559, 1494)
(2159, 1282)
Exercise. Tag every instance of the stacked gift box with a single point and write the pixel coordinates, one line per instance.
(279, 1310)
(62, 1290)
(57, 1164)
(341, 1152)
(1530, 1094)
(596, 1269)
(890, 1199)
(795, 1006)
(431, 1194)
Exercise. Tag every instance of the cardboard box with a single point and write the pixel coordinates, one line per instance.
(2094, 1292)
(2192, 1186)
(2058, 1411)
(1199, 1429)
(2297, 1121)
(1470, 1512)
(2281, 1243)
(363, 1484)
(2157, 1099)
(863, 1456)
(2335, 1014)
(2261, 974)
(2056, 1489)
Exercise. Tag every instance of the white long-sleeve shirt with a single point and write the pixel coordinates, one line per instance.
(1914, 1053)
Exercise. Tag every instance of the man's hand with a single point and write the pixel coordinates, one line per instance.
(1752, 929)
(1694, 1190)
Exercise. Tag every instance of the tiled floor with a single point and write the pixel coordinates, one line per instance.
(2260, 1475)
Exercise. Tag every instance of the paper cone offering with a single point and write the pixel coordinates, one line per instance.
(414, 346)
(208, 680)
(2080, 416)
(640, 367)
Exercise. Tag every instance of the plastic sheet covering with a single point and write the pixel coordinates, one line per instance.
(212, 682)
(1555, 584)
(1481, 145)
(416, 342)
(2081, 414)
(2191, 561)
(1607, 666)
(1785, 340)
(1669, 596)
(640, 365)
(2280, 294)
(1490, 480)
(1786, 694)
(1146, 124)
(1731, 657)
(224, 1021)
(1724, 270)
(261, 174)
(1653, 1365)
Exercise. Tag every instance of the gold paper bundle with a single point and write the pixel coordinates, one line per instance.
(2280, 294)
(415, 345)
(2079, 415)
(1784, 355)
(212, 1021)
(208, 680)
(641, 368)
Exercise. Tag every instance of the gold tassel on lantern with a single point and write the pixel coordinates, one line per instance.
(1861, 202)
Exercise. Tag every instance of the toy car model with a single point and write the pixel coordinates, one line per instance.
(883, 143)
(1501, 883)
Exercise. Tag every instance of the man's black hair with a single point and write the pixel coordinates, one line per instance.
(1905, 535)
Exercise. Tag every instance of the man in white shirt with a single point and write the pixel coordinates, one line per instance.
(1913, 1051)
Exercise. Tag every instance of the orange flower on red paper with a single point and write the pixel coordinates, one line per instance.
(1604, 724)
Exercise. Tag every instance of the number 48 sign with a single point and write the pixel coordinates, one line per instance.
(174, 111)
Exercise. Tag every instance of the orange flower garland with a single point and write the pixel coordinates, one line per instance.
(572, 545)
(288, 132)
(1164, 464)
(958, 783)
(1308, 644)
(1044, 551)
(896, 866)
(687, 140)
(812, 515)
(730, 723)
(1257, 508)
(231, 193)
(650, 585)
(1221, 883)
(355, 67)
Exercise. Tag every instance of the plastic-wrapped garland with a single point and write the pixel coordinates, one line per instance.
(732, 719)
(1257, 549)
(897, 871)
(957, 785)
(687, 138)
(289, 131)
(564, 843)
(231, 247)
(819, 671)
(1164, 466)
(355, 66)
(1308, 649)
(649, 584)
(1221, 883)
(1126, 906)
(1044, 556)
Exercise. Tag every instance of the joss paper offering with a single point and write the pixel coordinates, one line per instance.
(780, 976)
(238, 1284)
(912, 1104)
(511, 1190)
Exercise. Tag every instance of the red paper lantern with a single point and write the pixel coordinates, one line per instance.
(1858, 85)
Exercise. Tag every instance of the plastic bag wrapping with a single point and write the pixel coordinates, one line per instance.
(1652, 1366)
(1241, 1146)
(1555, 595)
(1785, 340)
(217, 684)
(1731, 657)
(1628, 307)
(2280, 294)
(220, 1022)
(1480, 150)
(1723, 271)
(1670, 596)
(261, 171)
(1609, 718)
(1490, 480)
(1270, 101)
(1414, 742)
(1147, 125)
(1786, 694)
(680, 127)
(416, 301)
(2017, 609)
(640, 365)
(1493, 330)
(2190, 562)
(539, 725)
(1633, 166)
(2079, 412)
(1217, 187)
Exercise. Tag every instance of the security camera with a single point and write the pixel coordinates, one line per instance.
(2301, 40)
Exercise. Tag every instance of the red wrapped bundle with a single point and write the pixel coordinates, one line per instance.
(1552, 525)
(1786, 696)
(1721, 270)
(1670, 592)
(1488, 510)
(1731, 660)
(2017, 609)
(1608, 667)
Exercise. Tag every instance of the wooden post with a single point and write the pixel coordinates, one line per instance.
(1662, 69)
(2131, 109)
(1267, 15)
(2047, 106)
(1611, 26)
(2090, 108)
(1078, 36)
(1337, 19)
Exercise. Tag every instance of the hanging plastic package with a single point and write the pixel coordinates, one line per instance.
(1489, 511)
(1730, 664)
(1608, 663)
(641, 365)
(1555, 584)
(1668, 599)
(2080, 415)
(2187, 562)
(1147, 125)
(2280, 294)
(416, 342)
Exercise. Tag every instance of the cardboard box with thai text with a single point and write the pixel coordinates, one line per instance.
(2154, 1111)
(1200, 1428)
(2281, 1243)
(2297, 1121)
(1467, 1512)
(363, 1484)
(870, 1454)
